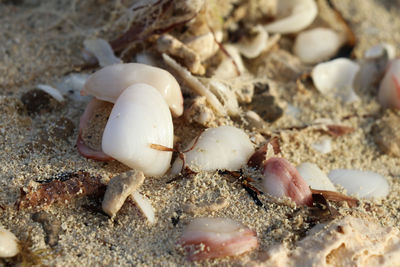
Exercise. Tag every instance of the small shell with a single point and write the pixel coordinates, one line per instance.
(204, 45)
(145, 206)
(389, 90)
(229, 67)
(314, 177)
(222, 148)
(216, 238)
(253, 48)
(364, 184)
(118, 189)
(108, 83)
(139, 118)
(8, 244)
(336, 78)
(299, 14)
(317, 45)
(379, 50)
(226, 96)
(324, 145)
(281, 179)
(101, 50)
(51, 91)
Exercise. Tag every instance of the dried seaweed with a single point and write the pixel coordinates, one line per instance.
(335, 196)
(67, 188)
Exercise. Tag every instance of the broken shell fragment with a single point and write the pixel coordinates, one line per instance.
(139, 118)
(145, 206)
(293, 16)
(314, 177)
(119, 188)
(336, 78)
(101, 50)
(389, 90)
(380, 50)
(253, 47)
(222, 148)
(281, 179)
(207, 238)
(365, 184)
(8, 244)
(108, 83)
(317, 45)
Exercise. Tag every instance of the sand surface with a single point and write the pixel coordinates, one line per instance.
(41, 42)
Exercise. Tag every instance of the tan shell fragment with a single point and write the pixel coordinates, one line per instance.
(119, 188)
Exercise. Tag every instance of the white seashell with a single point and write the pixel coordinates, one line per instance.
(324, 145)
(222, 148)
(101, 50)
(139, 118)
(253, 48)
(51, 91)
(221, 237)
(336, 78)
(317, 45)
(314, 177)
(298, 14)
(380, 50)
(365, 184)
(389, 90)
(145, 206)
(8, 244)
(226, 96)
(109, 82)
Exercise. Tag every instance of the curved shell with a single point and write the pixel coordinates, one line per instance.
(222, 148)
(389, 90)
(301, 14)
(140, 117)
(108, 83)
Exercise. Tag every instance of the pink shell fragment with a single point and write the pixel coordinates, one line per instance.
(281, 179)
(207, 238)
(389, 90)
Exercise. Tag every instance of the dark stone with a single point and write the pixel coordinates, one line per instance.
(36, 102)
(265, 106)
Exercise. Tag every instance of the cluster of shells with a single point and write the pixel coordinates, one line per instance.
(210, 68)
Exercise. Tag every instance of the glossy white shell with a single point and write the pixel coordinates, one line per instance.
(140, 117)
(222, 148)
(317, 45)
(109, 82)
(314, 177)
(336, 78)
(364, 184)
(293, 16)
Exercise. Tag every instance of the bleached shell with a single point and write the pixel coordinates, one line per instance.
(145, 206)
(8, 244)
(140, 117)
(225, 95)
(205, 45)
(301, 14)
(314, 177)
(51, 91)
(253, 48)
(365, 184)
(101, 50)
(336, 78)
(109, 82)
(317, 45)
(389, 90)
(222, 148)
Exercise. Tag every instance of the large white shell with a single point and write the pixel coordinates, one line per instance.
(140, 117)
(296, 16)
(314, 177)
(364, 184)
(336, 78)
(317, 45)
(389, 90)
(109, 82)
(8, 244)
(222, 148)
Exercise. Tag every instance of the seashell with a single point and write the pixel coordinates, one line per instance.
(99, 50)
(324, 145)
(281, 179)
(293, 16)
(118, 189)
(8, 244)
(222, 148)
(225, 95)
(145, 206)
(109, 82)
(51, 91)
(71, 85)
(252, 48)
(205, 45)
(381, 50)
(365, 184)
(139, 118)
(314, 177)
(336, 78)
(317, 45)
(208, 238)
(389, 90)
